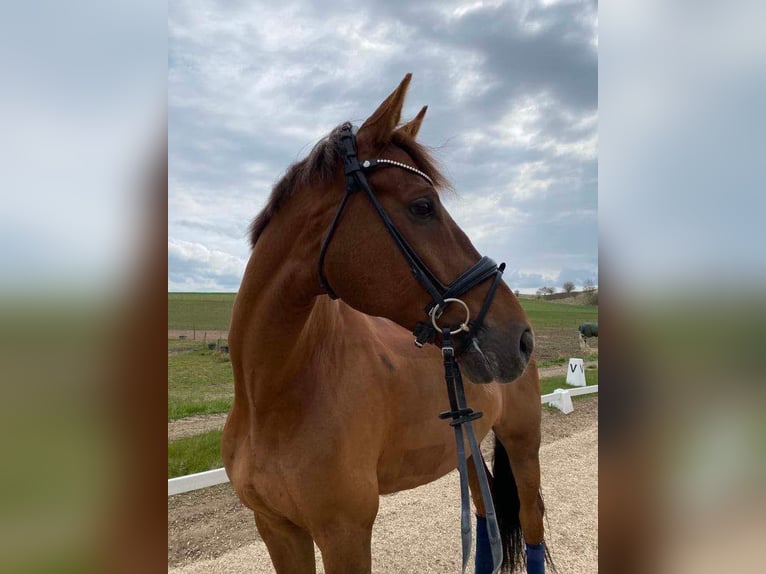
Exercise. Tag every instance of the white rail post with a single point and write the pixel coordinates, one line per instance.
(563, 401)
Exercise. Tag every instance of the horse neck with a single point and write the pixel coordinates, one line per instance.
(281, 317)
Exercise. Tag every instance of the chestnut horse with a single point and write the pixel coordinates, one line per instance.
(333, 404)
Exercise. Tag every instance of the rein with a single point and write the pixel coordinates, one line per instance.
(460, 415)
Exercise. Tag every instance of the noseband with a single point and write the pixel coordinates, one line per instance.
(441, 295)
(425, 332)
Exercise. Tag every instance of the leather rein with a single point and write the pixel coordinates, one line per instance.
(459, 415)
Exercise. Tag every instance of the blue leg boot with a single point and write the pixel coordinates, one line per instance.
(536, 558)
(483, 562)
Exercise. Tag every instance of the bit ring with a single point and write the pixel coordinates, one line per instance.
(463, 326)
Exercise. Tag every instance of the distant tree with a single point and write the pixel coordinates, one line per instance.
(568, 287)
(545, 290)
(589, 286)
(517, 292)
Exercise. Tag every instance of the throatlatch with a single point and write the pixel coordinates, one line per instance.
(459, 415)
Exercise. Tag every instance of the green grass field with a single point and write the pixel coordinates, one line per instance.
(194, 454)
(212, 311)
(201, 311)
(565, 360)
(199, 382)
(545, 315)
(550, 384)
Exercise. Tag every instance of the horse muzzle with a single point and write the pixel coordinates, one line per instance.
(497, 353)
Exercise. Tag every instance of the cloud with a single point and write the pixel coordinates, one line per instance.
(512, 95)
(192, 266)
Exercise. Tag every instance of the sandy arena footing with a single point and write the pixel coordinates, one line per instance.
(419, 530)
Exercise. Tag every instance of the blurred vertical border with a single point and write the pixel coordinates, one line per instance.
(83, 285)
(681, 203)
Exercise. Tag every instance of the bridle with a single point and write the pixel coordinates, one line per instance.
(441, 294)
(425, 332)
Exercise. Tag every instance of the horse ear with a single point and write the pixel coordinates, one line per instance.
(380, 125)
(412, 127)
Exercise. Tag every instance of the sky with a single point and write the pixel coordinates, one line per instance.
(512, 95)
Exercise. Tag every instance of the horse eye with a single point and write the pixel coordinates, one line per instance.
(422, 208)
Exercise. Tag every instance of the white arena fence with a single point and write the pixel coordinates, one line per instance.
(560, 398)
(196, 481)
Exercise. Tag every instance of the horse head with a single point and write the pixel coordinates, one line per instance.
(367, 270)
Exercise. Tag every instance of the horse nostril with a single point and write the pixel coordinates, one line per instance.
(527, 344)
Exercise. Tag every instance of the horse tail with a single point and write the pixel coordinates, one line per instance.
(505, 495)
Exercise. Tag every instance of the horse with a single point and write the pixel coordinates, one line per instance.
(586, 331)
(333, 404)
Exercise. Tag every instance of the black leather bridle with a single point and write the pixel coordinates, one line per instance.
(425, 332)
(440, 294)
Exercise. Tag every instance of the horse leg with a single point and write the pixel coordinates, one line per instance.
(517, 468)
(483, 556)
(291, 548)
(344, 535)
(346, 547)
(525, 463)
(473, 483)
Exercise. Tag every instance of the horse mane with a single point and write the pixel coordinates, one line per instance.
(320, 166)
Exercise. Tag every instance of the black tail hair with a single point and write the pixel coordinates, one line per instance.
(505, 495)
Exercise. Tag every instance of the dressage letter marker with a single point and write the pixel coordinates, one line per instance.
(576, 373)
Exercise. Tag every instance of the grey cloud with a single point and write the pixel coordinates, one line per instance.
(192, 266)
(193, 276)
(247, 97)
(223, 229)
(512, 56)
